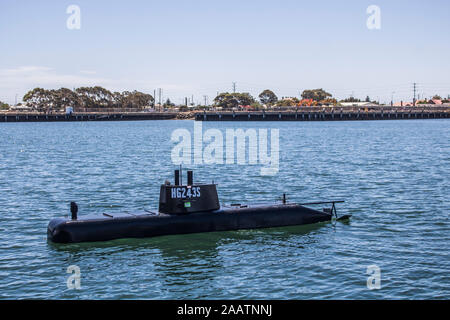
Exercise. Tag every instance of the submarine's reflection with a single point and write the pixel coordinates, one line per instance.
(178, 263)
(182, 246)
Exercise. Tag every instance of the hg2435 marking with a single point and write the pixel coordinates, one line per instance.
(185, 192)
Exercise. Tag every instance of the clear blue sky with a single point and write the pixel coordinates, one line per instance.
(201, 47)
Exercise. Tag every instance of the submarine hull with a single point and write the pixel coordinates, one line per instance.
(148, 224)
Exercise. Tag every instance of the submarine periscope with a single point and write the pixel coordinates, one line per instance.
(184, 209)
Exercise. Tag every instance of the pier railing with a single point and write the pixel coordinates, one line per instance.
(280, 114)
(328, 114)
(88, 116)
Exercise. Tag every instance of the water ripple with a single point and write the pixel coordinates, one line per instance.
(394, 176)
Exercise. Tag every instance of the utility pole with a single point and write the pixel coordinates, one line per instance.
(206, 99)
(160, 98)
(234, 87)
(154, 98)
(414, 99)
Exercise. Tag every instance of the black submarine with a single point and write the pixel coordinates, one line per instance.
(183, 209)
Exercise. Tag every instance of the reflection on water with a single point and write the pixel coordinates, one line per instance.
(183, 246)
(392, 174)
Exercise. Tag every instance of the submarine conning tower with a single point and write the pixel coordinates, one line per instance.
(178, 199)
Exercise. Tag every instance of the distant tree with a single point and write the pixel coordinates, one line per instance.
(288, 102)
(328, 102)
(226, 101)
(367, 99)
(136, 99)
(245, 99)
(316, 94)
(256, 105)
(4, 106)
(95, 97)
(117, 99)
(268, 97)
(233, 100)
(85, 94)
(86, 97)
(143, 99)
(103, 97)
(437, 97)
(168, 103)
(64, 97)
(39, 99)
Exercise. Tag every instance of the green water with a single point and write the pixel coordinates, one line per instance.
(393, 175)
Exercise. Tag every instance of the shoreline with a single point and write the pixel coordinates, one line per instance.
(299, 114)
(324, 115)
(89, 116)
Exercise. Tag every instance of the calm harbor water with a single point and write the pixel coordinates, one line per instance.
(393, 175)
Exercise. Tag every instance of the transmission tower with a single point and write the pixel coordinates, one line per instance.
(414, 98)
